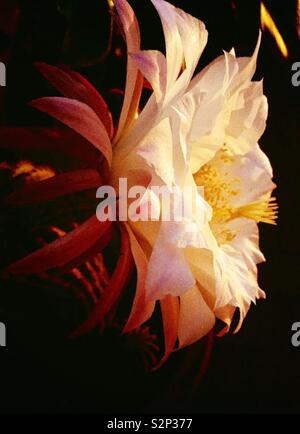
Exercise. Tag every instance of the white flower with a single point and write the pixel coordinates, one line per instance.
(196, 132)
(205, 132)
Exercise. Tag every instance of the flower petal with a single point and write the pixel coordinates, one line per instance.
(239, 282)
(252, 172)
(141, 310)
(224, 106)
(72, 85)
(64, 250)
(248, 120)
(246, 240)
(202, 265)
(50, 144)
(196, 319)
(153, 66)
(247, 66)
(225, 314)
(159, 157)
(80, 117)
(193, 125)
(56, 186)
(168, 269)
(185, 38)
(117, 283)
(134, 79)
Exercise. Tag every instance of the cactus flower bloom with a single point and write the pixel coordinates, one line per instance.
(195, 130)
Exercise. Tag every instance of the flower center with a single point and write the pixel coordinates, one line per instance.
(219, 190)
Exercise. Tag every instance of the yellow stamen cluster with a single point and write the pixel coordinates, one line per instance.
(219, 190)
(264, 210)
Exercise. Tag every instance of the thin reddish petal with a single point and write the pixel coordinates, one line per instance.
(62, 251)
(80, 117)
(206, 358)
(118, 282)
(53, 142)
(57, 186)
(107, 116)
(96, 247)
(72, 85)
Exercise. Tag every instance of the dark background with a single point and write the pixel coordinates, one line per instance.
(255, 371)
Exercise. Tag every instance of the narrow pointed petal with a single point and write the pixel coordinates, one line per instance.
(134, 79)
(106, 115)
(50, 144)
(153, 66)
(225, 314)
(185, 38)
(57, 186)
(113, 292)
(80, 118)
(247, 66)
(64, 250)
(72, 85)
(174, 49)
(141, 310)
(217, 75)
